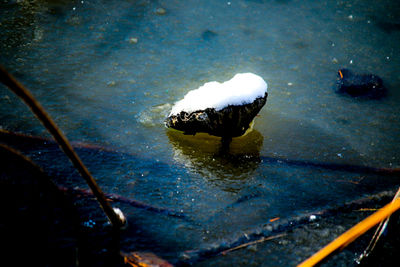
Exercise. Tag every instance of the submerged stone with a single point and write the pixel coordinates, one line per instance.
(360, 85)
(208, 35)
(224, 110)
(160, 11)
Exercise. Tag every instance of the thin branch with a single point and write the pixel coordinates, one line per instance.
(24, 94)
(353, 233)
(378, 233)
(263, 239)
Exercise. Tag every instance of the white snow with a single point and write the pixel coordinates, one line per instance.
(242, 89)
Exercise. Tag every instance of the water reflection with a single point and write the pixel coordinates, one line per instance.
(204, 154)
(305, 139)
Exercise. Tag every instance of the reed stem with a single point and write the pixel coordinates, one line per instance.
(24, 94)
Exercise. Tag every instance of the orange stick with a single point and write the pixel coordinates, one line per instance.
(341, 75)
(274, 219)
(353, 233)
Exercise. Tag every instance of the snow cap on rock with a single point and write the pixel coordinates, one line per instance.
(242, 89)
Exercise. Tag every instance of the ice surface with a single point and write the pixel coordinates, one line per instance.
(243, 88)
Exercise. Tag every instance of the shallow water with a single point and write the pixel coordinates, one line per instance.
(109, 72)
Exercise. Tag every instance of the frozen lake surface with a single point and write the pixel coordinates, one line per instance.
(109, 73)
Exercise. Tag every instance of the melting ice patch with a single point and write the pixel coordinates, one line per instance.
(242, 89)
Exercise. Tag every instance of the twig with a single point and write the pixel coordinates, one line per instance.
(274, 219)
(378, 233)
(278, 227)
(366, 209)
(349, 236)
(24, 94)
(252, 243)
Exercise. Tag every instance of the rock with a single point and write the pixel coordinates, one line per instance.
(160, 11)
(231, 121)
(111, 83)
(360, 85)
(221, 109)
(133, 40)
(207, 35)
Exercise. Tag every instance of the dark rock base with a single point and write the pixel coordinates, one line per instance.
(360, 85)
(231, 121)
